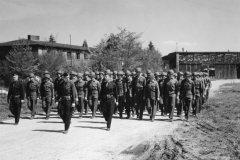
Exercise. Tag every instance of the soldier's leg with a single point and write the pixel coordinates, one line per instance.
(68, 113)
(86, 107)
(48, 106)
(128, 106)
(110, 105)
(197, 105)
(188, 102)
(94, 106)
(44, 107)
(33, 106)
(153, 108)
(81, 106)
(120, 105)
(172, 102)
(90, 104)
(141, 107)
(200, 103)
(16, 102)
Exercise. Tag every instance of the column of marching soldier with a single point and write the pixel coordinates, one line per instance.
(112, 93)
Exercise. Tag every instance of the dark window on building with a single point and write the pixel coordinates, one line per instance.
(78, 55)
(69, 55)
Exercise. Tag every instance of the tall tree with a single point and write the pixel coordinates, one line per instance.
(21, 59)
(52, 39)
(151, 46)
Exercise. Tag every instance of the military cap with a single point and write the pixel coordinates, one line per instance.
(138, 69)
(46, 72)
(187, 74)
(72, 73)
(31, 75)
(86, 73)
(164, 74)
(59, 72)
(180, 73)
(101, 73)
(92, 74)
(133, 73)
(151, 75)
(175, 74)
(111, 73)
(79, 75)
(96, 73)
(157, 74)
(115, 72)
(170, 72)
(65, 74)
(195, 74)
(145, 75)
(120, 73)
(47, 76)
(128, 73)
(148, 72)
(107, 72)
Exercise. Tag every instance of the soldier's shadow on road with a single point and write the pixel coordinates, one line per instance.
(44, 130)
(6, 123)
(90, 127)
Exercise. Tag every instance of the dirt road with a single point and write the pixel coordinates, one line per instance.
(87, 138)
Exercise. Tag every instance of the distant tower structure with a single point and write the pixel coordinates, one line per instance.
(85, 43)
(183, 49)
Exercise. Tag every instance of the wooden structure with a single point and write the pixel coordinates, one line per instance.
(221, 65)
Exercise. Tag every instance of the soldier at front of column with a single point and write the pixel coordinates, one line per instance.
(152, 94)
(187, 93)
(139, 84)
(163, 103)
(198, 91)
(81, 90)
(15, 97)
(129, 97)
(47, 95)
(170, 92)
(157, 78)
(32, 94)
(67, 98)
(93, 89)
(108, 97)
(121, 89)
(86, 79)
(179, 103)
(56, 83)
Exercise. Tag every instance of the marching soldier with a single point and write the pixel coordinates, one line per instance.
(203, 94)
(81, 92)
(163, 103)
(56, 83)
(47, 95)
(67, 98)
(97, 75)
(108, 96)
(129, 97)
(187, 93)
(101, 77)
(139, 84)
(152, 94)
(134, 74)
(114, 73)
(198, 91)
(73, 78)
(179, 103)
(121, 89)
(157, 78)
(208, 85)
(15, 97)
(86, 79)
(170, 92)
(32, 94)
(93, 89)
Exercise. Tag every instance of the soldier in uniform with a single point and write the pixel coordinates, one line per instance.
(97, 75)
(93, 89)
(81, 92)
(170, 92)
(198, 91)
(108, 96)
(179, 103)
(203, 94)
(208, 85)
(152, 94)
(67, 98)
(121, 91)
(157, 78)
(129, 97)
(163, 103)
(15, 97)
(134, 74)
(86, 79)
(139, 84)
(187, 93)
(56, 83)
(47, 95)
(32, 94)
(101, 77)
(114, 74)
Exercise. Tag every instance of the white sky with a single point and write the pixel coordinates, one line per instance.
(196, 25)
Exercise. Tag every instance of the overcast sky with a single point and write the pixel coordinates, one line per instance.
(196, 25)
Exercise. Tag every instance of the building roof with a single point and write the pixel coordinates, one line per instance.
(49, 44)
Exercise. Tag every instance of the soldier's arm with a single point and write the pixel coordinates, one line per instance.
(115, 92)
(177, 88)
(52, 91)
(144, 88)
(193, 89)
(27, 88)
(157, 90)
(86, 89)
(9, 92)
(37, 90)
(99, 88)
(73, 92)
(21, 91)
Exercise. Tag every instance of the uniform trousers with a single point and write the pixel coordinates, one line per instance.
(15, 107)
(80, 105)
(200, 102)
(179, 108)
(171, 101)
(188, 105)
(196, 103)
(33, 105)
(129, 106)
(152, 108)
(140, 105)
(66, 113)
(108, 110)
(46, 104)
(86, 107)
(93, 103)
(120, 105)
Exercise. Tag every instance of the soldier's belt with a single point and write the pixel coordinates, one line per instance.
(15, 96)
(65, 98)
(107, 96)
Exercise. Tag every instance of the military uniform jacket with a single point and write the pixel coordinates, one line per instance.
(93, 88)
(198, 87)
(67, 88)
(152, 90)
(139, 84)
(16, 89)
(47, 89)
(56, 83)
(129, 88)
(187, 88)
(32, 89)
(81, 88)
(170, 87)
(160, 85)
(108, 88)
(121, 87)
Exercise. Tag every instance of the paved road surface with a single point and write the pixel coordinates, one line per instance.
(87, 138)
